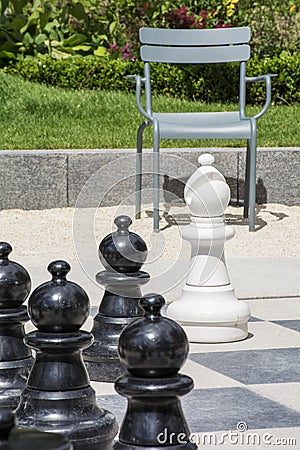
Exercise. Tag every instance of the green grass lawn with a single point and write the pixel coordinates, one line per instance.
(34, 116)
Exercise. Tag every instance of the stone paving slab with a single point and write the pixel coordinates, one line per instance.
(33, 181)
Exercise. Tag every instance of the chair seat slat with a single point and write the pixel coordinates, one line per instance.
(214, 125)
(195, 55)
(217, 36)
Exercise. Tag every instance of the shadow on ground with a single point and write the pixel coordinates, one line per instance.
(177, 219)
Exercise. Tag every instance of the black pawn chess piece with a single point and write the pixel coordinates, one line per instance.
(15, 357)
(153, 349)
(12, 438)
(122, 253)
(58, 396)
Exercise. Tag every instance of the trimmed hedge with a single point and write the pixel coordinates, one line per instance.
(210, 83)
(286, 86)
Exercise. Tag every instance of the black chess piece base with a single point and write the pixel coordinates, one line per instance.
(58, 397)
(12, 438)
(13, 376)
(101, 358)
(57, 412)
(16, 360)
(150, 402)
(117, 309)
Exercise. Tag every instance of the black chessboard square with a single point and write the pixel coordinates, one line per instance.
(255, 319)
(280, 365)
(221, 409)
(208, 410)
(291, 324)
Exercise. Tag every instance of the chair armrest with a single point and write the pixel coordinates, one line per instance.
(267, 79)
(138, 82)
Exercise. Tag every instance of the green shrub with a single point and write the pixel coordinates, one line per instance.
(75, 72)
(57, 28)
(209, 83)
(285, 87)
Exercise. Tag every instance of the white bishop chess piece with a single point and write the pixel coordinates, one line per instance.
(208, 309)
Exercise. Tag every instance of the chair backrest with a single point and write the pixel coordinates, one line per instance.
(195, 46)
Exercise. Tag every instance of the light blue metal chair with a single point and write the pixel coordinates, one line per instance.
(197, 47)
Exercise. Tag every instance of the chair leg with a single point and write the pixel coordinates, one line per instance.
(139, 170)
(155, 176)
(246, 185)
(252, 178)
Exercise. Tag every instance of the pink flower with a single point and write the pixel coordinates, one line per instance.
(114, 46)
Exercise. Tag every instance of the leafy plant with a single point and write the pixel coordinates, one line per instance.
(58, 28)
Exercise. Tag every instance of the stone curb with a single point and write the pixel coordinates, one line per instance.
(45, 179)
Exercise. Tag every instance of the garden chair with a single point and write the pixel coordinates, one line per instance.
(198, 46)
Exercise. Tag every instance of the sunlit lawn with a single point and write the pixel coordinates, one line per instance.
(34, 116)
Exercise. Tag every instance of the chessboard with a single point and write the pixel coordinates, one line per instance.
(246, 393)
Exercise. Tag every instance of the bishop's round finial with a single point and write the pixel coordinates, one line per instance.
(123, 251)
(59, 305)
(15, 283)
(206, 159)
(153, 346)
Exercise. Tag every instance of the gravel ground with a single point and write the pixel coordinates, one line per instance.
(60, 233)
